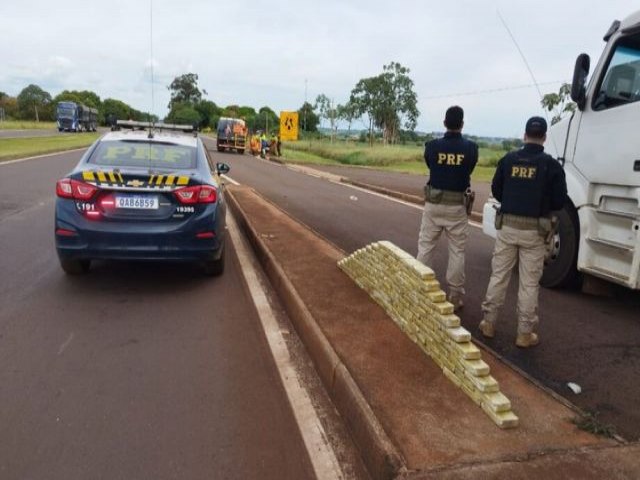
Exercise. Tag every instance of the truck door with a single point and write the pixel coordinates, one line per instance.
(608, 146)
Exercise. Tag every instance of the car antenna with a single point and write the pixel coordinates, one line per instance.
(535, 82)
(151, 122)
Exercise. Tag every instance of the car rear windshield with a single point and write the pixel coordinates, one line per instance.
(144, 154)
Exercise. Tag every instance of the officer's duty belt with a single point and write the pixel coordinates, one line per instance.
(443, 197)
(520, 222)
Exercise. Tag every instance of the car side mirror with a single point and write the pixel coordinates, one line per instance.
(579, 84)
(222, 168)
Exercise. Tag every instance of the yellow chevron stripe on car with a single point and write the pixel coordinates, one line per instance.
(88, 176)
(183, 180)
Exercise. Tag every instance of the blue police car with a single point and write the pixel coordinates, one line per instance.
(148, 193)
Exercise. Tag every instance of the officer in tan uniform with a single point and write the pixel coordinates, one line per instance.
(530, 184)
(451, 161)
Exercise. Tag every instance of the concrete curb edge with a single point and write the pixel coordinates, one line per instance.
(378, 452)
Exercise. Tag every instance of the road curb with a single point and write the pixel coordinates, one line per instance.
(381, 457)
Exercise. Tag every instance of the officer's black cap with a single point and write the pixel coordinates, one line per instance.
(453, 118)
(536, 127)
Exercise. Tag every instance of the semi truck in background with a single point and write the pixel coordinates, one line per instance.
(231, 134)
(75, 117)
(599, 147)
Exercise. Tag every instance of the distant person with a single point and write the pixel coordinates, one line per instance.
(450, 161)
(530, 184)
(264, 145)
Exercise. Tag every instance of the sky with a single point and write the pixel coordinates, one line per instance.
(280, 52)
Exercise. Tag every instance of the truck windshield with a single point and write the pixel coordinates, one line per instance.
(144, 154)
(621, 82)
(65, 112)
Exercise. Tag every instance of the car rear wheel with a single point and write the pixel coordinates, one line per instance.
(214, 268)
(75, 267)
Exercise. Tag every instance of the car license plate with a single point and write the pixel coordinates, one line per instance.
(142, 202)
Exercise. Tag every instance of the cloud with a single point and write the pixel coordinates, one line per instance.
(251, 54)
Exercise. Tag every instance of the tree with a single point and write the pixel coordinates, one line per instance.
(388, 100)
(184, 90)
(327, 109)
(267, 120)
(184, 114)
(560, 102)
(347, 112)
(209, 113)
(512, 143)
(307, 119)
(10, 106)
(33, 99)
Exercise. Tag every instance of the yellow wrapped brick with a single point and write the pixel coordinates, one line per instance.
(484, 384)
(448, 321)
(477, 368)
(502, 419)
(471, 393)
(496, 401)
(451, 376)
(467, 350)
(459, 334)
(437, 297)
(443, 308)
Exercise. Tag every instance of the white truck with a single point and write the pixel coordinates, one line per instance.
(599, 146)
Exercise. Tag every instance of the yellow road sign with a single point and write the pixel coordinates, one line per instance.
(289, 125)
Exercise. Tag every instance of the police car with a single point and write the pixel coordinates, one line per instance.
(147, 193)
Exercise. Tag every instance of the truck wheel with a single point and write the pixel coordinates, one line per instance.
(240, 151)
(75, 267)
(560, 269)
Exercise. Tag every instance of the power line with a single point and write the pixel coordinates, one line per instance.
(492, 90)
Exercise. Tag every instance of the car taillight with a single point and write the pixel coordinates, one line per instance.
(196, 194)
(63, 188)
(68, 188)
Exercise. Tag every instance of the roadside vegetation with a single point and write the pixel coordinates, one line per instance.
(395, 158)
(11, 148)
(27, 125)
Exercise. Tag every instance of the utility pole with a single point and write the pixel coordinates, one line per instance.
(304, 114)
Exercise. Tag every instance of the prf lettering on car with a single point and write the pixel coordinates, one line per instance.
(523, 172)
(166, 154)
(454, 159)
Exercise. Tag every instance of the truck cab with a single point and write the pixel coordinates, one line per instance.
(599, 146)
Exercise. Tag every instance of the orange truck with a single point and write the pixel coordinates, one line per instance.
(232, 134)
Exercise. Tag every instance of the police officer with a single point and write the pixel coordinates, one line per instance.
(530, 184)
(450, 161)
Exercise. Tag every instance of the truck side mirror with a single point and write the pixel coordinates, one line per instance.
(579, 84)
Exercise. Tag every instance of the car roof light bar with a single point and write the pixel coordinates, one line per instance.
(154, 126)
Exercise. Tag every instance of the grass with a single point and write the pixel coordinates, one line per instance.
(590, 422)
(397, 158)
(27, 125)
(11, 148)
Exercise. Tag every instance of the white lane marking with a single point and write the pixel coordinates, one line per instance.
(227, 177)
(377, 194)
(322, 456)
(66, 343)
(18, 160)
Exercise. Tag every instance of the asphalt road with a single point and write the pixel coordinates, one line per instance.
(133, 371)
(588, 340)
